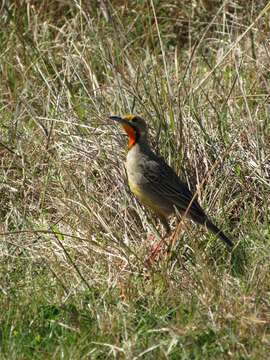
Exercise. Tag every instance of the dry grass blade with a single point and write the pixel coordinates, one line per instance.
(73, 238)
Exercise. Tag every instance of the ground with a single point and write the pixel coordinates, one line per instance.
(74, 284)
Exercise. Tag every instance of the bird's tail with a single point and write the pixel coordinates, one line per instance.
(215, 230)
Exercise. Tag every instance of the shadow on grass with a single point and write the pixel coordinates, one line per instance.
(239, 260)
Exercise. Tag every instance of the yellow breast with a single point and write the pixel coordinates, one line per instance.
(136, 191)
(144, 199)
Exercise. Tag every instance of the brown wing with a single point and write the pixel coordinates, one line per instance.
(162, 180)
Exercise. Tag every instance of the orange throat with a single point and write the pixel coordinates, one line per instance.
(131, 135)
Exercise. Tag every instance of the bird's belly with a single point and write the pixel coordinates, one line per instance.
(137, 191)
(153, 201)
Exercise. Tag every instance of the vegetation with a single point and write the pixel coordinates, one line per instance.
(74, 284)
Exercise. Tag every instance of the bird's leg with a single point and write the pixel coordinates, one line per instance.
(158, 247)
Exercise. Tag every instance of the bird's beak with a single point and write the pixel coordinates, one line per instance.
(119, 120)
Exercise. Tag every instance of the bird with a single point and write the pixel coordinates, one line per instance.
(155, 184)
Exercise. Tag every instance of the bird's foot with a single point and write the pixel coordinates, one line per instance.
(156, 250)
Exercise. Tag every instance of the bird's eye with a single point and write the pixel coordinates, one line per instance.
(134, 119)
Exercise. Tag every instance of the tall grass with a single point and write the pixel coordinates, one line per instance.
(73, 238)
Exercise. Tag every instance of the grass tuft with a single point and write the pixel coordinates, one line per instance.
(73, 238)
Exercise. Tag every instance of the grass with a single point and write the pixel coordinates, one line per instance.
(73, 238)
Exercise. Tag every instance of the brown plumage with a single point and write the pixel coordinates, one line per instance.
(155, 183)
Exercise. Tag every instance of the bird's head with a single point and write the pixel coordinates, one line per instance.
(134, 126)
